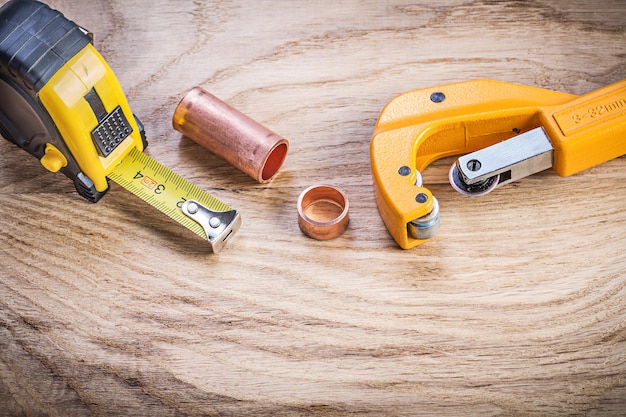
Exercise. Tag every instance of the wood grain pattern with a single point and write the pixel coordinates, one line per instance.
(517, 307)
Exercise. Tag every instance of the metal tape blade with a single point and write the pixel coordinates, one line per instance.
(167, 191)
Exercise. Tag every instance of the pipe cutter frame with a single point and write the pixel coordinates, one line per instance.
(507, 132)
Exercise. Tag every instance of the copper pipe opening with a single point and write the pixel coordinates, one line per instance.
(274, 161)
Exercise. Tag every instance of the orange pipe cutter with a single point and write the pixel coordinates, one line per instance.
(505, 131)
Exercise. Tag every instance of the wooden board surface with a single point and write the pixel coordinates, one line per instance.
(516, 307)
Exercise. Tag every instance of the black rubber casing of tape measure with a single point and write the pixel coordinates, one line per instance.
(35, 42)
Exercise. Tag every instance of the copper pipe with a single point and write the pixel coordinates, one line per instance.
(230, 134)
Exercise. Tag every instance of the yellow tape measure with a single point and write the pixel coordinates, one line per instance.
(61, 102)
(177, 198)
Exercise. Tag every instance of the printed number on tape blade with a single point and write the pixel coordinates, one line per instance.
(177, 198)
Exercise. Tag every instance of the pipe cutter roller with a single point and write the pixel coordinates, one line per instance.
(504, 132)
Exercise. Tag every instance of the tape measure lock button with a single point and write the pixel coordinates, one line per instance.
(53, 159)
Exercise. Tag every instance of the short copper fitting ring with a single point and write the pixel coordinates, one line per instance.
(324, 228)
